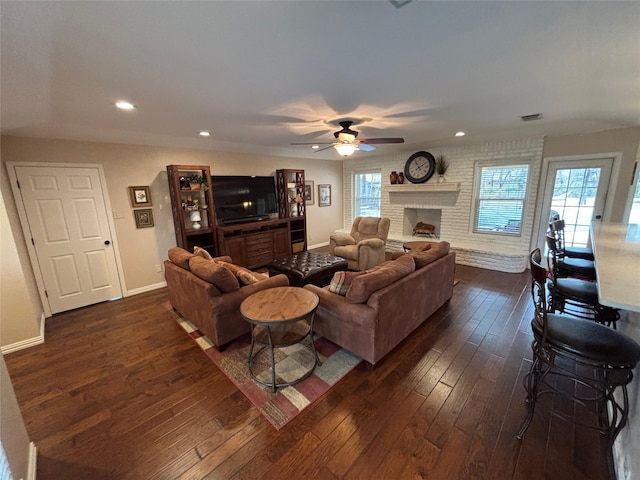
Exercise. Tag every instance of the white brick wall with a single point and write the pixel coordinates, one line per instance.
(499, 252)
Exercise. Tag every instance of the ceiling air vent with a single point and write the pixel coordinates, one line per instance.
(529, 118)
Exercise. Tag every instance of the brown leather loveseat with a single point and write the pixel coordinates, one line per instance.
(209, 293)
(383, 305)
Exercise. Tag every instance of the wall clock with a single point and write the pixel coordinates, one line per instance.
(420, 167)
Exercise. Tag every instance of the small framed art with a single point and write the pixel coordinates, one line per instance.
(308, 192)
(144, 217)
(324, 195)
(140, 196)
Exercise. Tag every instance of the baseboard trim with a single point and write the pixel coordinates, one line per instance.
(148, 288)
(317, 245)
(29, 342)
(33, 462)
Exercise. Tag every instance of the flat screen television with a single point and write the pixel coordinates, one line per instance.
(241, 199)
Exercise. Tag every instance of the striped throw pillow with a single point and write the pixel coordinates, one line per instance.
(341, 281)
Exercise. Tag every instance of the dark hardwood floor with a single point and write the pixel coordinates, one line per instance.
(119, 391)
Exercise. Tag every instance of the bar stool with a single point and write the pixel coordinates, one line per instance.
(600, 358)
(570, 267)
(575, 296)
(557, 228)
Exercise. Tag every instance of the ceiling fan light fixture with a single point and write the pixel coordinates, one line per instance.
(346, 137)
(345, 149)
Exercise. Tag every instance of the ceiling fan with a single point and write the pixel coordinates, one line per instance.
(346, 142)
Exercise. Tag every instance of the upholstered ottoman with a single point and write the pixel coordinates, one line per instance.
(308, 268)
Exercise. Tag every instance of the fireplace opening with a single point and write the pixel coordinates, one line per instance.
(422, 222)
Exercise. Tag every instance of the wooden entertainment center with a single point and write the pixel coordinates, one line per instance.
(250, 244)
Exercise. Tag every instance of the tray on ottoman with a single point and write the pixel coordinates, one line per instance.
(308, 268)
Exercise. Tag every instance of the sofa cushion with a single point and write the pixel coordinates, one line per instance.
(379, 277)
(341, 281)
(214, 273)
(244, 275)
(180, 257)
(426, 256)
(202, 253)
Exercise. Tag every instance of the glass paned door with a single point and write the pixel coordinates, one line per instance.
(576, 192)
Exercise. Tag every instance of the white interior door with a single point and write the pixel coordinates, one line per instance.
(576, 191)
(68, 222)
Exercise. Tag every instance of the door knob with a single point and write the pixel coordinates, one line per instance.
(107, 242)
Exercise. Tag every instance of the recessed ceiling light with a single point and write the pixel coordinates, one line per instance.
(204, 133)
(124, 105)
(460, 134)
(315, 147)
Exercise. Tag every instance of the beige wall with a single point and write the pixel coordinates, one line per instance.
(127, 165)
(20, 312)
(623, 140)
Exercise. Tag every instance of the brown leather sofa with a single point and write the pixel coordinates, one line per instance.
(383, 305)
(213, 308)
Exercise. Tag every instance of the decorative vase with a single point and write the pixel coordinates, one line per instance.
(393, 177)
(400, 177)
(441, 178)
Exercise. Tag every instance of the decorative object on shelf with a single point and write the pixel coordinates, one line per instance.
(324, 195)
(420, 167)
(441, 168)
(144, 217)
(400, 177)
(196, 219)
(197, 182)
(184, 183)
(140, 196)
(308, 192)
(393, 178)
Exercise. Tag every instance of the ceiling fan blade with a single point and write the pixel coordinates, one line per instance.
(381, 140)
(313, 143)
(365, 147)
(324, 148)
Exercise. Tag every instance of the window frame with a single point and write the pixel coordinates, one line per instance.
(475, 200)
(354, 188)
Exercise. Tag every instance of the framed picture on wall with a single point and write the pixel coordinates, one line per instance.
(144, 217)
(140, 196)
(324, 195)
(308, 192)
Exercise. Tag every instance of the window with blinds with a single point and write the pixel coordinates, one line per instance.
(367, 194)
(499, 198)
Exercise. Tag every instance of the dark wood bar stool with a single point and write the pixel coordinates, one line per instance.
(557, 228)
(575, 296)
(567, 266)
(590, 354)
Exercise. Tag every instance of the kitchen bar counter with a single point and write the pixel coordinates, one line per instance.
(616, 247)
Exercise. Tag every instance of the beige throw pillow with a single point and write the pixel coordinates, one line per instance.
(202, 253)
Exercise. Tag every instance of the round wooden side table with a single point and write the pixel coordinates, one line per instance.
(280, 317)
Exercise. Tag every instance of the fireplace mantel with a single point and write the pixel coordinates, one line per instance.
(421, 187)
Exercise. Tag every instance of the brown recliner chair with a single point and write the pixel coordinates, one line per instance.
(364, 247)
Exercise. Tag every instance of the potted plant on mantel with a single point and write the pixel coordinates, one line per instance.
(441, 168)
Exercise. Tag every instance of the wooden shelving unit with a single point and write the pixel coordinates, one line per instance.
(188, 198)
(291, 205)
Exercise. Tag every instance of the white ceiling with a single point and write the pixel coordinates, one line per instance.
(260, 75)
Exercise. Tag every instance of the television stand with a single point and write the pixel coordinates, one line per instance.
(255, 244)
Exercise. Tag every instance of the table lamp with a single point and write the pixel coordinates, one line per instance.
(195, 218)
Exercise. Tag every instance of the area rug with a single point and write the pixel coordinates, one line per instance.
(283, 406)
